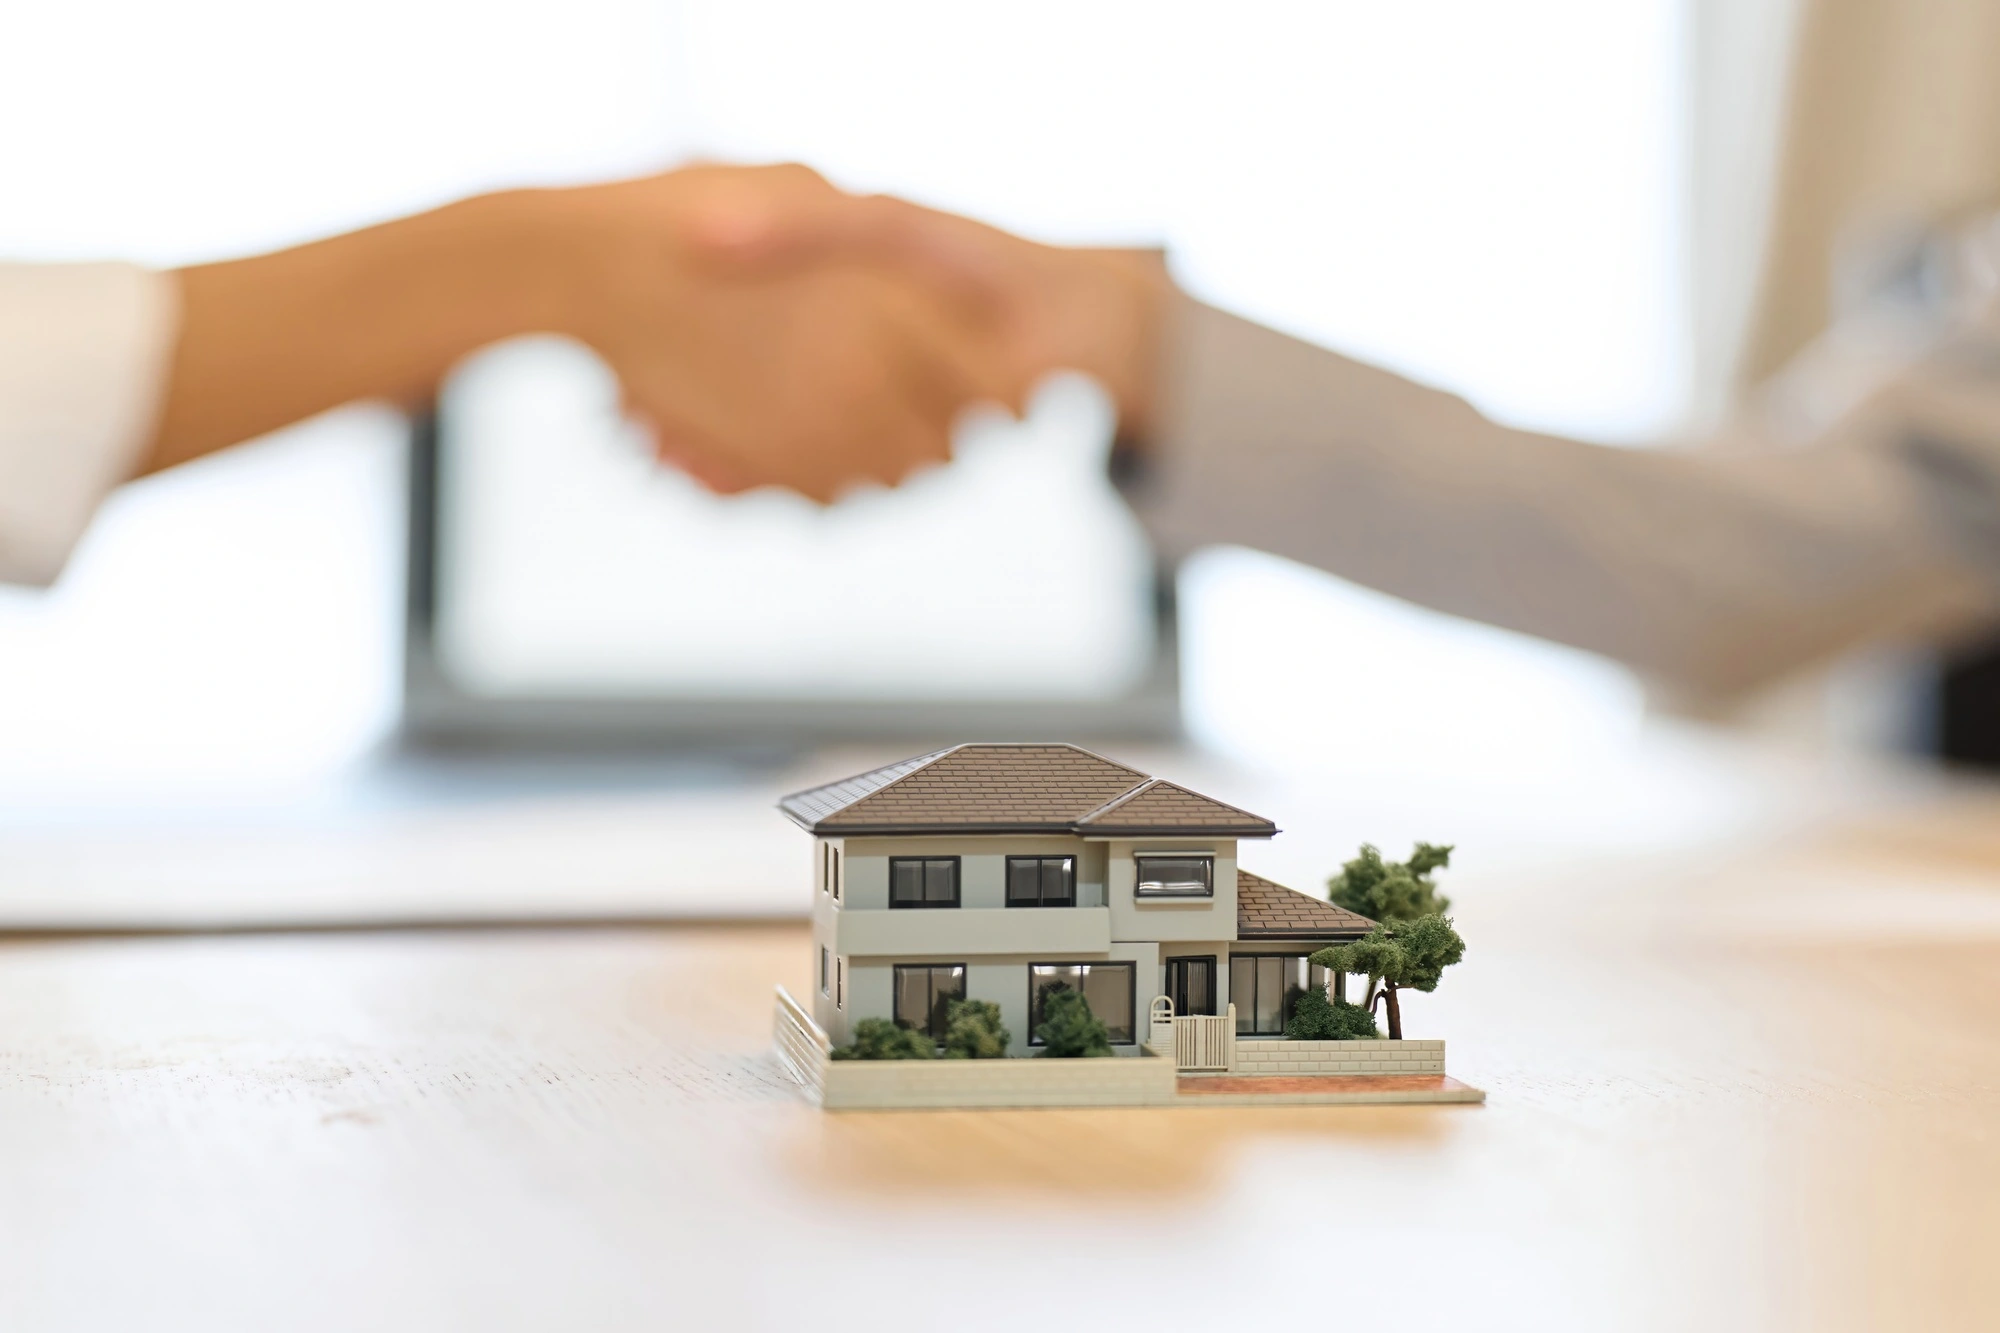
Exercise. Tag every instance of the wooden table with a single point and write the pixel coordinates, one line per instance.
(1756, 1087)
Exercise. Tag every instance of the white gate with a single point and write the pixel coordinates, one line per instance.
(1205, 1041)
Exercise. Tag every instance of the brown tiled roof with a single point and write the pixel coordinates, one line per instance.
(1267, 911)
(1001, 788)
(1159, 807)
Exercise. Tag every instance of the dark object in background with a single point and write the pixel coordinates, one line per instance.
(1968, 708)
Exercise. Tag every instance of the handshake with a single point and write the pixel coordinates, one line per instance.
(772, 330)
(775, 331)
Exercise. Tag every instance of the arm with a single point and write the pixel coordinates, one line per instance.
(814, 377)
(1714, 570)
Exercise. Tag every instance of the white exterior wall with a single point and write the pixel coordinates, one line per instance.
(1004, 981)
(982, 868)
(996, 943)
(1164, 920)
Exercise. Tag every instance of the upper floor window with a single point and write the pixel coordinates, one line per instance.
(1041, 881)
(923, 881)
(1176, 877)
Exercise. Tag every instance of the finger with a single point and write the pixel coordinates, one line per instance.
(945, 357)
(968, 260)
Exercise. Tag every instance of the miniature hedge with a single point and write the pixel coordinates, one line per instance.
(880, 1039)
(1069, 1030)
(973, 1031)
(1315, 1017)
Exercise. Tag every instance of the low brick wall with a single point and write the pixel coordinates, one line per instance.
(912, 1084)
(1338, 1057)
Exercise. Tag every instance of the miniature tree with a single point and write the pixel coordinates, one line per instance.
(1068, 1027)
(973, 1031)
(880, 1039)
(1397, 956)
(1391, 890)
(1318, 1017)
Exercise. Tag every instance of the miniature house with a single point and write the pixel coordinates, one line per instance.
(996, 872)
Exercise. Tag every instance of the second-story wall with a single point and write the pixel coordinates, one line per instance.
(1169, 919)
(1106, 876)
(982, 871)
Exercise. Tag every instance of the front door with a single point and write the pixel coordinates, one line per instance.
(1191, 985)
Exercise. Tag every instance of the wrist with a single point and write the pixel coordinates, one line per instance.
(1126, 337)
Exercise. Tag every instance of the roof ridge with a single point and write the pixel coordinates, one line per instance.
(1117, 800)
(1204, 796)
(1155, 785)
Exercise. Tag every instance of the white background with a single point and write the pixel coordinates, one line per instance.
(1487, 196)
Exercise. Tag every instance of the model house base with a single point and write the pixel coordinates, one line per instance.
(1273, 1073)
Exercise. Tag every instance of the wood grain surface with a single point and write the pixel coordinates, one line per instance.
(1754, 1088)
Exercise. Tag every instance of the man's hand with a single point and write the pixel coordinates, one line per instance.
(1046, 308)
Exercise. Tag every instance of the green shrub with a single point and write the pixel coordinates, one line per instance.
(973, 1031)
(1315, 1017)
(1068, 1027)
(880, 1039)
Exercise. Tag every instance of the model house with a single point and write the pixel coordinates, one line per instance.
(995, 872)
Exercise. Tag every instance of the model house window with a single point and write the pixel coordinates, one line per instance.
(840, 983)
(1265, 988)
(923, 881)
(1108, 987)
(825, 868)
(1176, 877)
(825, 970)
(1041, 881)
(1191, 985)
(836, 872)
(924, 992)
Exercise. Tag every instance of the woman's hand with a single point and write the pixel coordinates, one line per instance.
(812, 375)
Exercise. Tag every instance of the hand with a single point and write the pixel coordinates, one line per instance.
(810, 375)
(1046, 308)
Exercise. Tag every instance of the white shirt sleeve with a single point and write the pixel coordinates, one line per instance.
(83, 360)
(1715, 569)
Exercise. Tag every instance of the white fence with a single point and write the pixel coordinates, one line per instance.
(801, 1044)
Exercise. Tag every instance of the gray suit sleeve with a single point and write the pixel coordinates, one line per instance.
(1714, 569)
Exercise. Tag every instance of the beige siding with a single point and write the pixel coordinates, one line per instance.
(1168, 921)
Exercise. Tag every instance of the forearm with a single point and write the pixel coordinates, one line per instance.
(1714, 572)
(381, 313)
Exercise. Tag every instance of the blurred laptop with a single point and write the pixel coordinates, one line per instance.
(568, 591)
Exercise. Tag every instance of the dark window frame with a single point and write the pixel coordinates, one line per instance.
(1132, 996)
(1216, 1002)
(825, 970)
(1039, 861)
(931, 1014)
(1139, 861)
(1286, 1004)
(957, 882)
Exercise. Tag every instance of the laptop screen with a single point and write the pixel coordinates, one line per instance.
(568, 563)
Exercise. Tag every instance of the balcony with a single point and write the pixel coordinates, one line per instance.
(962, 932)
